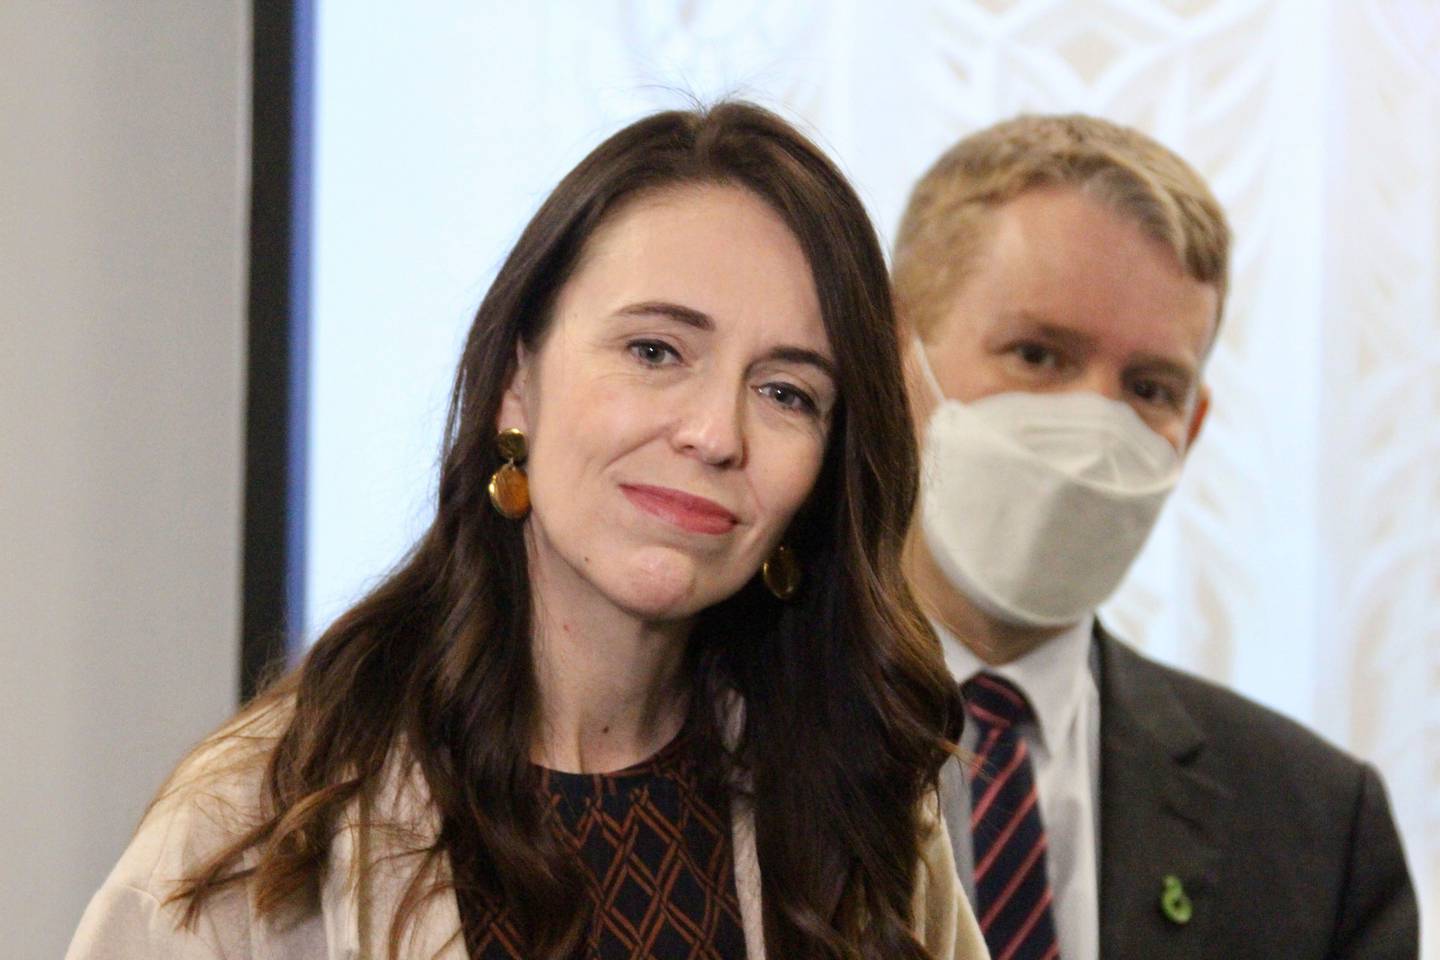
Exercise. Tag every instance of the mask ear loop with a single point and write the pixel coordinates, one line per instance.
(929, 373)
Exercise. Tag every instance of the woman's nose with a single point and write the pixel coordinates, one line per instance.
(710, 425)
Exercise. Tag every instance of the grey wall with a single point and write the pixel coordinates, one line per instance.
(123, 168)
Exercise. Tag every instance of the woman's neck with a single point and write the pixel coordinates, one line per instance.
(613, 688)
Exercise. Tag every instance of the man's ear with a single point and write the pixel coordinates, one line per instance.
(514, 402)
(922, 404)
(1197, 419)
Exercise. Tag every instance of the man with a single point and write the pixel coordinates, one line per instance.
(1064, 278)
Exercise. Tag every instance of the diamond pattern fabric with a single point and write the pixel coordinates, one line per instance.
(654, 841)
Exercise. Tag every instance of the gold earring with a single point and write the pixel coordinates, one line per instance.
(509, 487)
(781, 573)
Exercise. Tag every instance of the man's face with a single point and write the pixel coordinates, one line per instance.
(1070, 296)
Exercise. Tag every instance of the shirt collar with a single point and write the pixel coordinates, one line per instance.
(1052, 676)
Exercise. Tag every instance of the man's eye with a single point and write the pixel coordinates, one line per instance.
(1152, 391)
(1037, 355)
(653, 352)
(791, 398)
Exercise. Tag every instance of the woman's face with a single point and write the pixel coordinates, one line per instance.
(677, 407)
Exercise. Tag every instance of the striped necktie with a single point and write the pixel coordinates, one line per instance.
(1012, 887)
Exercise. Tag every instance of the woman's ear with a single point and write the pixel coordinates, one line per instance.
(515, 402)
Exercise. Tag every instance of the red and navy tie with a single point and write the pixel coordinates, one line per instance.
(1012, 888)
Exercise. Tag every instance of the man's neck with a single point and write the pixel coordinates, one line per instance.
(993, 641)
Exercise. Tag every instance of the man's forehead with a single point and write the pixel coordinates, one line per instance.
(1071, 268)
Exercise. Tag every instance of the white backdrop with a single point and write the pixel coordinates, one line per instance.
(1300, 561)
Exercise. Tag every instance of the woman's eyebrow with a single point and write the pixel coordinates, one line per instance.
(801, 355)
(702, 321)
(685, 315)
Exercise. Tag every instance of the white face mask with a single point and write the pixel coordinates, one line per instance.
(1035, 504)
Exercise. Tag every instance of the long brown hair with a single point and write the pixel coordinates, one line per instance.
(848, 711)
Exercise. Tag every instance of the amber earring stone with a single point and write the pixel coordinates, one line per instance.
(509, 487)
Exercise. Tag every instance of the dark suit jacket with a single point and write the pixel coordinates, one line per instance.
(1284, 844)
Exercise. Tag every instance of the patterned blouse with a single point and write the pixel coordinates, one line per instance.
(654, 840)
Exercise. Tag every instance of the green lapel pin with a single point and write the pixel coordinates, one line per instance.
(1174, 902)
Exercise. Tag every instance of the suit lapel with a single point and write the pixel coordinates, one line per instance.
(1158, 813)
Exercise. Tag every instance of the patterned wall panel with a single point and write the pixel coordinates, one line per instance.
(1380, 469)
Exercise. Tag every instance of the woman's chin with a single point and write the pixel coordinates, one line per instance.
(668, 586)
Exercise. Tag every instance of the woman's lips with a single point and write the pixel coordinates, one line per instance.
(688, 512)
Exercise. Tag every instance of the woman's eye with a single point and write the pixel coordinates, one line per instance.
(655, 353)
(791, 398)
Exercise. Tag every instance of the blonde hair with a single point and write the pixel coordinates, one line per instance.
(947, 219)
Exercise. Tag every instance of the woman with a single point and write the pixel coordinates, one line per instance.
(575, 722)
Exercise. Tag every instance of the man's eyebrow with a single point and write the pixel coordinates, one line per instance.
(1050, 330)
(1166, 366)
(1074, 338)
(686, 315)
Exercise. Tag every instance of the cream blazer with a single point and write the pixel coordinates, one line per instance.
(218, 790)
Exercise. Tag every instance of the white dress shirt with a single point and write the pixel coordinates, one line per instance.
(1064, 742)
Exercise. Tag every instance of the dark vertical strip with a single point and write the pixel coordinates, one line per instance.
(302, 106)
(276, 415)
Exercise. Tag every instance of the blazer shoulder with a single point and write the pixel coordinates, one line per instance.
(1226, 721)
(211, 800)
(1277, 792)
(215, 795)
